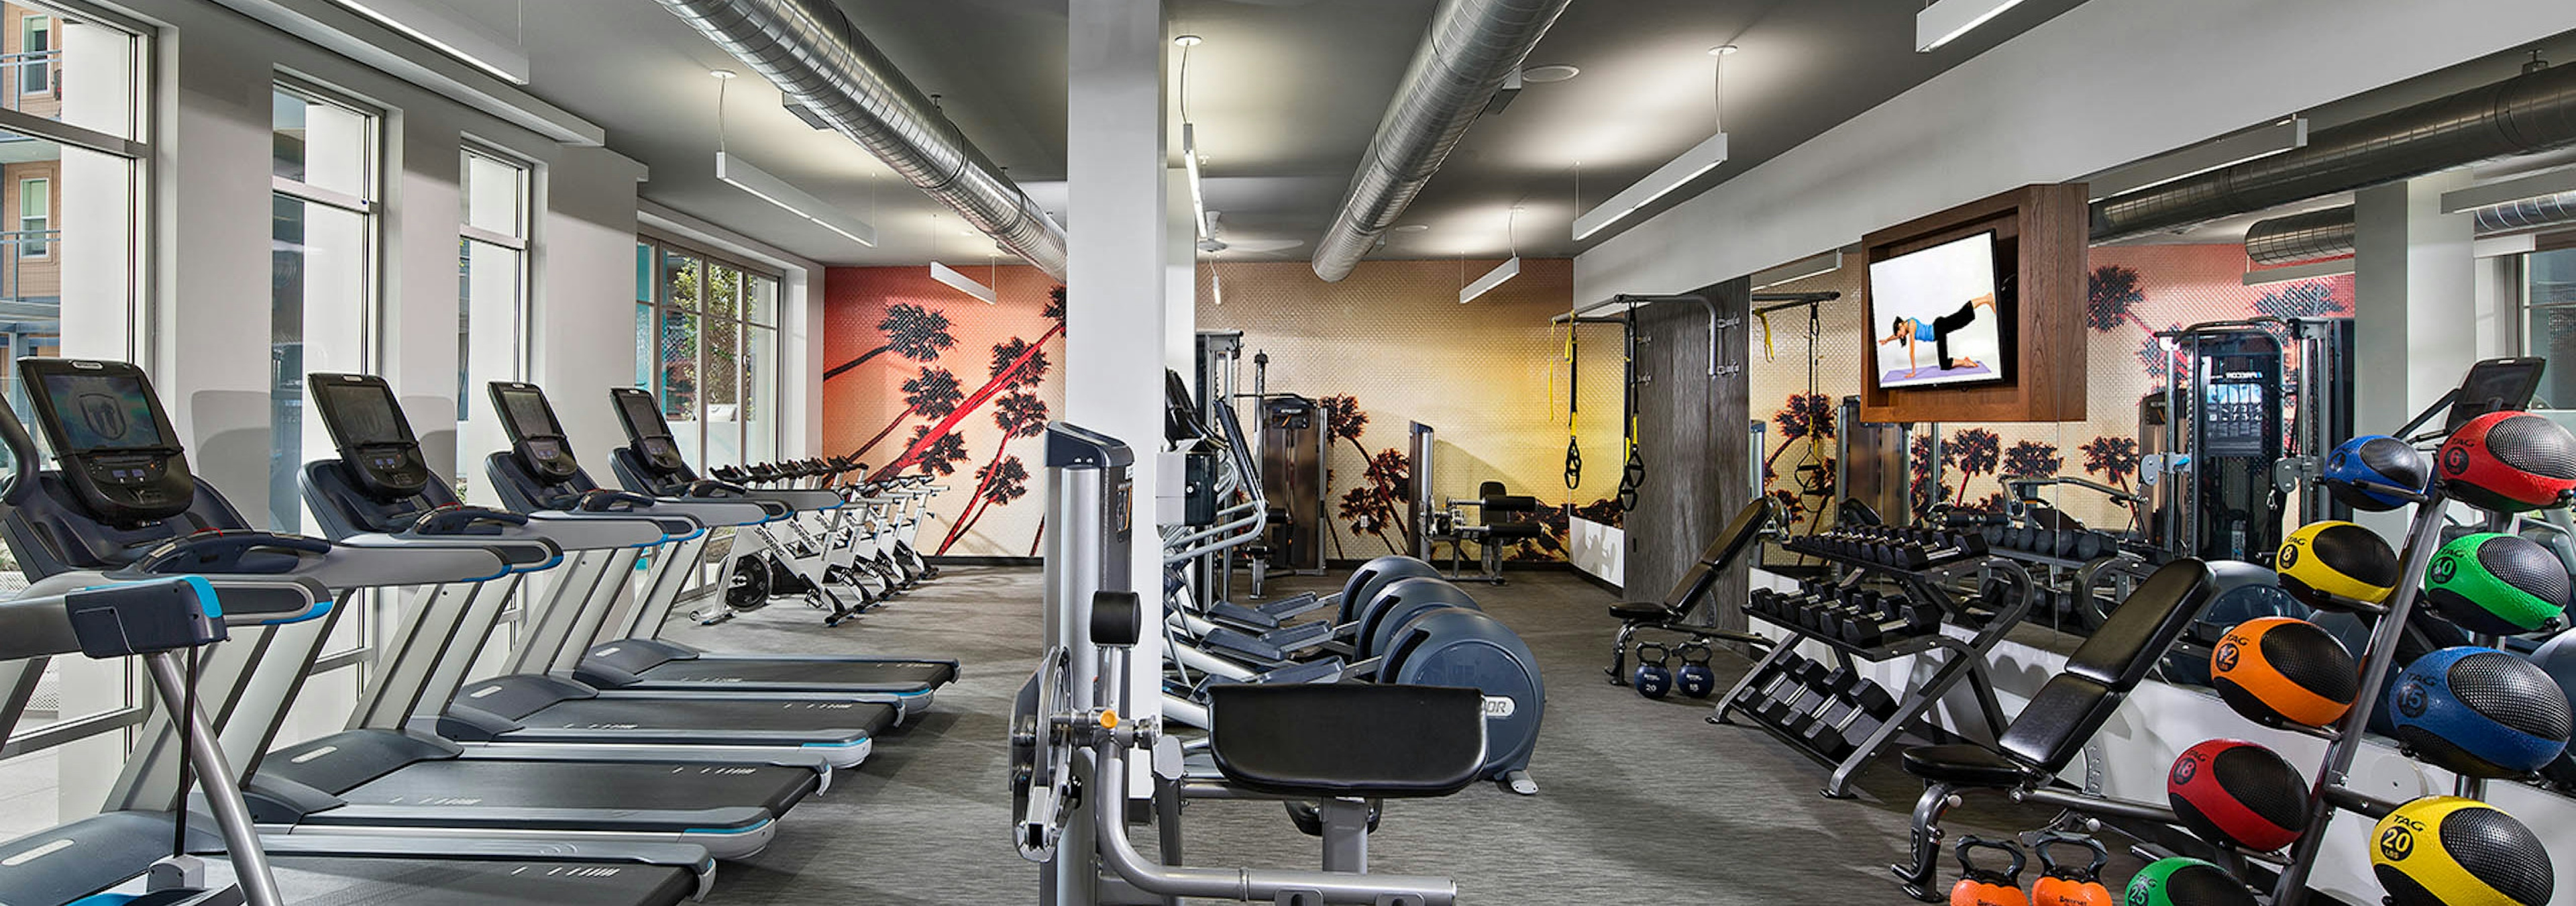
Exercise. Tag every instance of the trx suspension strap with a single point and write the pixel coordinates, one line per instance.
(1573, 405)
(1632, 473)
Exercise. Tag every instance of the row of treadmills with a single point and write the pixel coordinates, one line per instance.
(599, 765)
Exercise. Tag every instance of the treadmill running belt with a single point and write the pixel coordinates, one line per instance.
(717, 669)
(483, 785)
(707, 721)
(415, 882)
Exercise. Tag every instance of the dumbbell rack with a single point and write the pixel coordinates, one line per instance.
(1966, 658)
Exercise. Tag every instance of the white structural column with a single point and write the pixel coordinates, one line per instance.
(2415, 312)
(1115, 166)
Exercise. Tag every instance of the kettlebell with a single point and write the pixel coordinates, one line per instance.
(1695, 679)
(1986, 887)
(2070, 885)
(1652, 678)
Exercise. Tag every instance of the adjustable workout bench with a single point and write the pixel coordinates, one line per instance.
(1691, 593)
(2054, 727)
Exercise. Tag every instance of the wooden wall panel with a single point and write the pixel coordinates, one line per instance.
(1692, 432)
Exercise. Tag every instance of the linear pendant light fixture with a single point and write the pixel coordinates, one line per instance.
(1493, 278)
(1944, 21)
(1673, 174)
(960, 282)
(1198, 195)
(467, 41)
(735, 172)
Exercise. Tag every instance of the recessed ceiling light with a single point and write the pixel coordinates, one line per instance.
(1550, 72)
(1413, 228)
(1723, 50)
(722, 74)
(1188, 40)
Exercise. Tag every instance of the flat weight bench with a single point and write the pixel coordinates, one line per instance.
(1345, 746)
(1691, 592)
(2054, 727)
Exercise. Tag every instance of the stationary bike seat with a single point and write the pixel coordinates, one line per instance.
(1348, 740)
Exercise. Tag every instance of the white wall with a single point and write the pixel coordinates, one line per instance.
(2107, 83)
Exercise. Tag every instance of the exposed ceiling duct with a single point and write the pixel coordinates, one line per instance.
(2305, 236)
(2320, 235)
(2533, 112)
(1473, 46)
(818, 58)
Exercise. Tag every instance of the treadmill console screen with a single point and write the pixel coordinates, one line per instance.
(643, 417)
(103, 412)
(375, 440)
(526, 410)
(116, 449)
(362, 414)
(2496, 385)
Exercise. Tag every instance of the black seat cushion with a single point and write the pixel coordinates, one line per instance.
(1968, 764)
(2150, 620)
(2053, 728)
(1347, 740)
(1642, 612)
(1513, 530)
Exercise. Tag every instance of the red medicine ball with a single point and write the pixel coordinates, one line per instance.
(2509, 462)
(2235, 792)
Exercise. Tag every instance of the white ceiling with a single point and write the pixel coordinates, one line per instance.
(1285, 95)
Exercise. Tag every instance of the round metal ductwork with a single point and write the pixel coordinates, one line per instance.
(813, 54)
(2532, 112)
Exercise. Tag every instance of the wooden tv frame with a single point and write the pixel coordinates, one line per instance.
(2045, 230)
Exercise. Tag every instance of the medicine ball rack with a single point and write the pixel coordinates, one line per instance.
(1967, 635)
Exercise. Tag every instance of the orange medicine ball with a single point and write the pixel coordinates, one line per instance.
(2276, 670)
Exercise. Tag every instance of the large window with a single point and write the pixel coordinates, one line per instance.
(492, 306)
(706, 344)
(70, 171)
(323, 275)
(2549, 297)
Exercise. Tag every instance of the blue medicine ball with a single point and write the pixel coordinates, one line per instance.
(2480, 712)
(2376, 459)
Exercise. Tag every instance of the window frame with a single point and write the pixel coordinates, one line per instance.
(30, 239)
(135, 149)
(660, 249)
(370, 208)
(31, 66)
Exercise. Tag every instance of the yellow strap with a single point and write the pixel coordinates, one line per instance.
(1768, 354)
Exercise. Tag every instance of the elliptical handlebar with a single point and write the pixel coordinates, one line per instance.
(25, 462)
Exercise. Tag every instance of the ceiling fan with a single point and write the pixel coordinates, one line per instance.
(1216, 241)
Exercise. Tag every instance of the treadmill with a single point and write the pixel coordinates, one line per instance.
(380, 484)
(626, 656)
(129, 853)
(124, 500)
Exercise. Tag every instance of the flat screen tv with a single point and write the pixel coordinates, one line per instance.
(1938, 317)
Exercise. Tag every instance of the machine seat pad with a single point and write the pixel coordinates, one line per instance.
(1515, 530)
(1965, 764)
(1643, 612)
(1348, 740)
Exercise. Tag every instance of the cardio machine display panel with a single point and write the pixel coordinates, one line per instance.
(643, 418)
(2495, 385)
(527, 412)
(101, 412)
(360, 412)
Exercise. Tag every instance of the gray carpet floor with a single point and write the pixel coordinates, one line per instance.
(1640, 801)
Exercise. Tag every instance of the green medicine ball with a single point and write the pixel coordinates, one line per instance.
(2497, 584)
(2186, 882)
